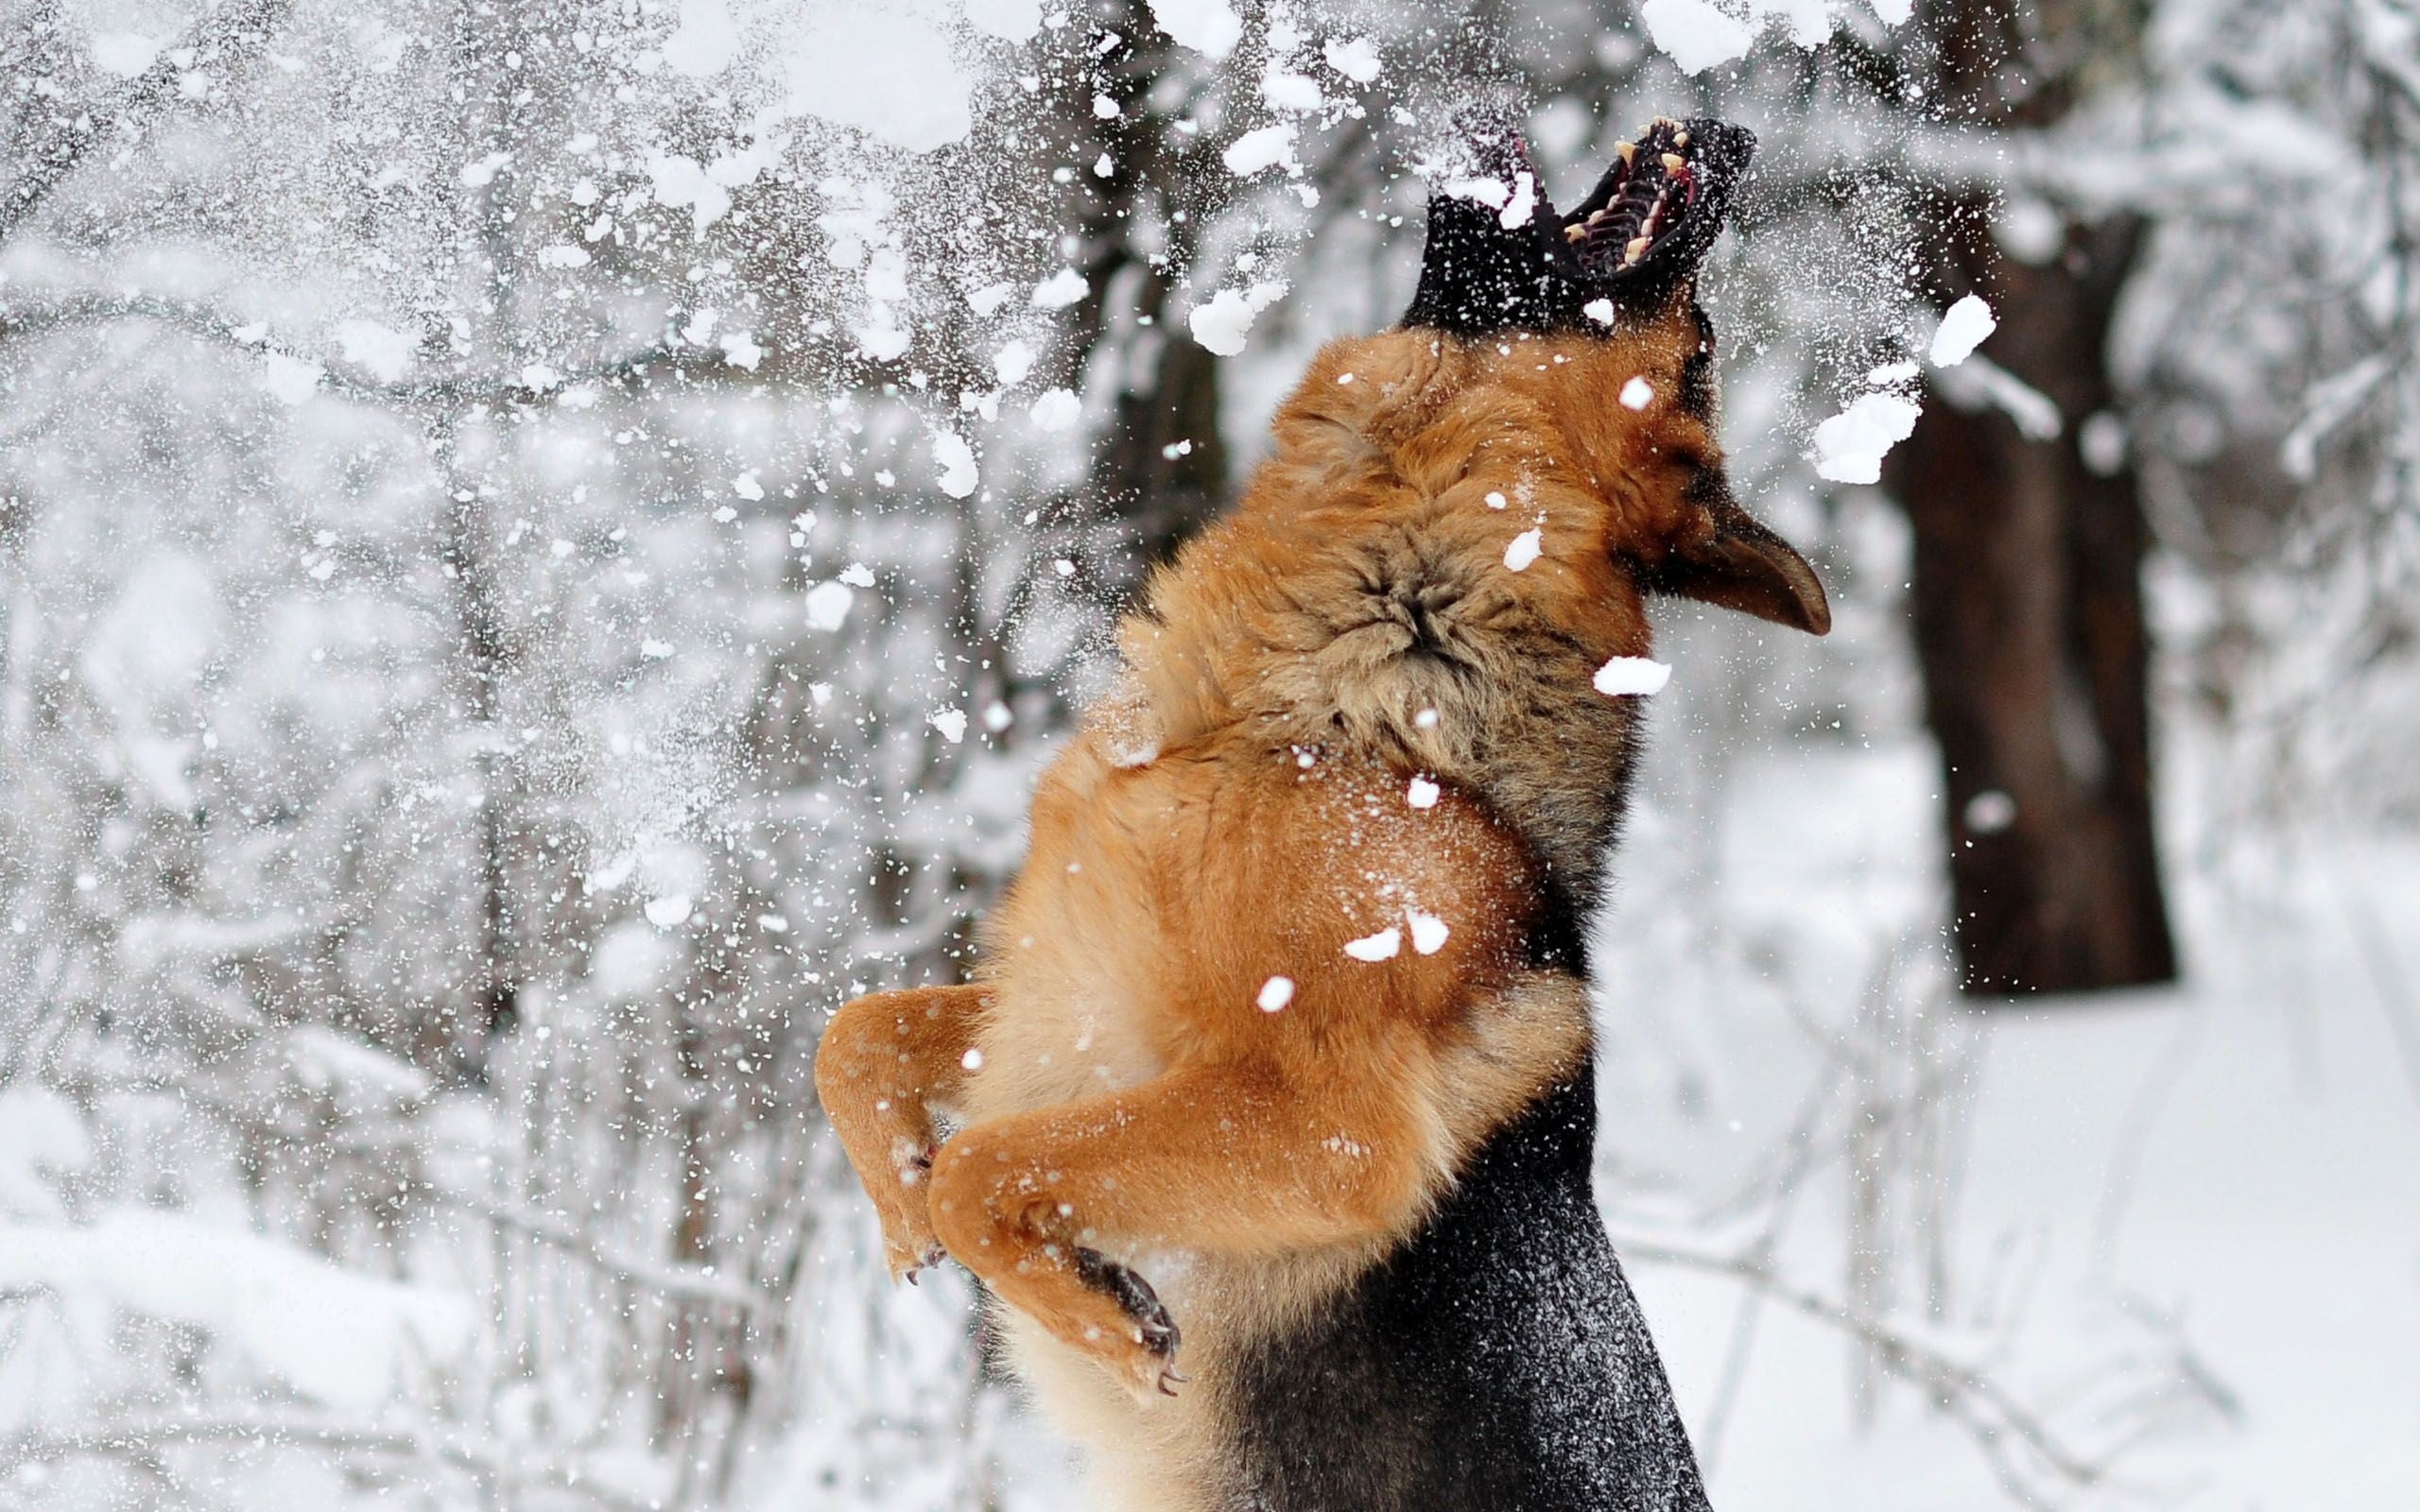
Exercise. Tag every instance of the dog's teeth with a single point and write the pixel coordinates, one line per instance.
(1637, 249)
(1674, 163)
(1680, 139)
(1575, 233)
(1627, 151)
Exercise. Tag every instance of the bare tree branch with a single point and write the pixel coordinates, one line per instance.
(215, 42)
(139, 1437)
(2008, 1431)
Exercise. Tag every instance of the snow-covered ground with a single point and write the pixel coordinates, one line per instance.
(2240, 1154)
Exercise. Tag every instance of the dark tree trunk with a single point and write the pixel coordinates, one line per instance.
(1163, 467)
(2029, 612)
(2030, 626)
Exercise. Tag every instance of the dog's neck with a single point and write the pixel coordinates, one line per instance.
(1356, 603)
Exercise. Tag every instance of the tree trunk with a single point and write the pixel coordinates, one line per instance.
(2029, 622)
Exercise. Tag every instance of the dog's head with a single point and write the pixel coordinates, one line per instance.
(1591, 314)
(1463, 517)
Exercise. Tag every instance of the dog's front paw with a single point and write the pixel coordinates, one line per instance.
(1145, 1356)
(909, 1246)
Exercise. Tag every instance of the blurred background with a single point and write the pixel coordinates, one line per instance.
(541, 545)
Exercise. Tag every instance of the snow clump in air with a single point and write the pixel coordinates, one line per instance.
(1268, 146)
(1630, 675)
(1060, 291)
(1222, 325)
(1637, 394)
(1695, 34)
(1962, 330)
(1209, 27)
(1849, 446)
(957, 459)
(1429, 932)
(1423, 793)
(827, 606)
(1701, 34)
(1058, 409)
(1353, 57)
(1275, 993)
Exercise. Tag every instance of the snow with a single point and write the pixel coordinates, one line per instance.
(1601, 311)
(857, 575)
(1009, 19)
(746, 485)
(740, 349)
(1429, 932)
(959, 475)
(1990, 812)
(1978, 383)
(1275, 993)
(1382, 946)
(1056, 411)
(1701, 34)
(1421, 792)
(827, 606)
(1850, 445)
(333, 1334)
(1962, 330)
(1011, 364)
(680, 182)
(890, 73)
(1286, 90)
(1264, 147)
(1637, 394)
(1209, 27)
(1353, 57)
(1525, 549)
(290, 379)
(1627, 674)
(1060, 291)
(2240, 1155)
(124, 54)
(668, 910)
(1224, 324)
(379, 350)
(40, 1134)
(1696, 34)
(1521, 204)
(950, 722)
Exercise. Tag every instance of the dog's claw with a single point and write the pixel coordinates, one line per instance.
(1154, 1330)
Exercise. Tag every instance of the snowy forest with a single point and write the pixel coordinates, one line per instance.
(543, 543)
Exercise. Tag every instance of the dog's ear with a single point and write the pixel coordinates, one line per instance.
(1738, 564)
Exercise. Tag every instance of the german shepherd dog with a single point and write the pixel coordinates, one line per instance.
(1272, 1095)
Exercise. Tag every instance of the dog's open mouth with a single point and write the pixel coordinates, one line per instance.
(1644, 202)
(1492, 263)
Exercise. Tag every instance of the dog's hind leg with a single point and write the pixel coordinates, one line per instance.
(882, 1062)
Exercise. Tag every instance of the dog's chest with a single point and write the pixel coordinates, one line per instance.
(1078, 962)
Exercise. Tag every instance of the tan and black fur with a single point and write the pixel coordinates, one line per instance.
(1340, 1254)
